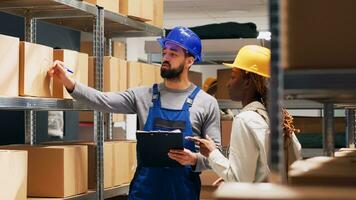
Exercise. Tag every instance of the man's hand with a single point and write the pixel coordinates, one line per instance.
(57, 71)
(206, 145)
(184, 157)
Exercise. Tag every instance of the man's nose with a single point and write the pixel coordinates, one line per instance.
(166, 57)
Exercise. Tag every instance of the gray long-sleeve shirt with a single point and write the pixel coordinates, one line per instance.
(204, 112)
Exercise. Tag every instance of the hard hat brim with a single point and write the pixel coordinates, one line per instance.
(246, 69)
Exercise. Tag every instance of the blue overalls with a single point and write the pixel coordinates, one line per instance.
(167, 183)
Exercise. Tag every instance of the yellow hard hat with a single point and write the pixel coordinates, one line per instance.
(253, 58)
(208, 83)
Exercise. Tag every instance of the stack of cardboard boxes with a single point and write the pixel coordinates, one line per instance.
(54, 171)
(309, 41)
(24, 66)
(328, 171)
(62, 169)
(9, 66)
(207, 178)
(150, 11)
(13, 173)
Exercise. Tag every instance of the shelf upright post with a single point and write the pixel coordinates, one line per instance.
(276, 158)
(350, 128)
(98, 42)
(328, 130)
(30, 115)
(149, 58)
(109, 125)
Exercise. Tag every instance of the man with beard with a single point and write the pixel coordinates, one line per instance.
(174, 104)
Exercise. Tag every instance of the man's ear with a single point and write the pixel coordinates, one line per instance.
(190, 61)
(247, 82)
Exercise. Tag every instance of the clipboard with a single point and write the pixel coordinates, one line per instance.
(153, 147)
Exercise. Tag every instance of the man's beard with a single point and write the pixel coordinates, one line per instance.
(170, 73)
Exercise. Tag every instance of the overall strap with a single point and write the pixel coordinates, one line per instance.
(189, 101)
(155, 96)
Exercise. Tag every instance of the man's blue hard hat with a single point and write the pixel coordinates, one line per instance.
(185, 38)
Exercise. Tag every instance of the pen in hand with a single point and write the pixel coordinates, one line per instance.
(68, 70)
(65, 67)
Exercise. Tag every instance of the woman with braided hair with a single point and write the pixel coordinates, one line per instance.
(247, 161)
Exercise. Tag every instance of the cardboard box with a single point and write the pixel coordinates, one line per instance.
(311, 39)
(91, 151)
(148, 74)
(81, 74)
(138, 9)
(223, 77)
(347, 149)
(225, 132)
(122, 86)
(118, 49)
(9, 66)
(108, 165)
(111, 74)
(207, 192)
(157, 14)
(345, 154)
(121, 174)
(196, 78)
(35, 60)
(315, 124)
(13, 173)
(55, 171)
(86, 116)
(122, 75)
(71, 61)
(323, 171)
(134, 72)
(118, 164)
(273, 191)
(118, 117)
(132, 159)
(208, 177)
(110, 5)
(115, 72)
(86, 47)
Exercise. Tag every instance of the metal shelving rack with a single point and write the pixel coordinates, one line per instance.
(333, 88)
(276, 162)
(85, 17)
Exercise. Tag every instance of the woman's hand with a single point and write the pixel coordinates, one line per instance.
(206, 145)
(218, 182)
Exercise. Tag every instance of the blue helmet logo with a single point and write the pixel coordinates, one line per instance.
(185, 38)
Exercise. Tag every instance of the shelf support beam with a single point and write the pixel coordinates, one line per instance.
(109, 122)
(30, 115)
(350, 128)
(328, 130)
(98, 41)
(276, 158)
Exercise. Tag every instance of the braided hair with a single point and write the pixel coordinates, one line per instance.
(261, 83)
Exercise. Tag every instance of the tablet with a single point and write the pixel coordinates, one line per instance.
(153, 147)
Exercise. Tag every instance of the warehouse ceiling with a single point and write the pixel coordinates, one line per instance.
(200, 12)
